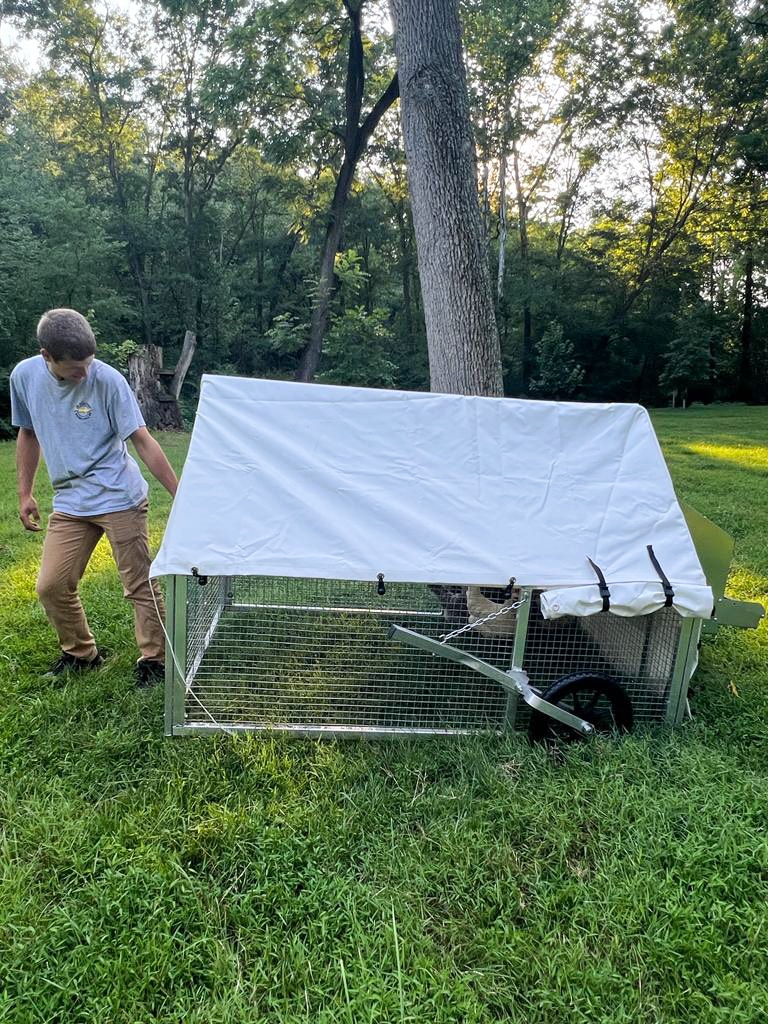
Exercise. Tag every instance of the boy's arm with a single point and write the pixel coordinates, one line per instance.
(27, 461)
(153, 457)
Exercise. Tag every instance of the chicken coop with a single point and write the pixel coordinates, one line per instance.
(354, 561)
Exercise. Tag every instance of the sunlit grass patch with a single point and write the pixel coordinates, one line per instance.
(748, 456)
(747, 585)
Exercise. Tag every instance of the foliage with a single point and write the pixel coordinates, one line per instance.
(358, 348)
(559, 376)
(286, 335)
(170, 167)
(687, 358)
(117, 354)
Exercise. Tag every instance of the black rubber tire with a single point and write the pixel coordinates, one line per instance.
(567, 692)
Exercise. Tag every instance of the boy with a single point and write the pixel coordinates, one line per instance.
(80, 412)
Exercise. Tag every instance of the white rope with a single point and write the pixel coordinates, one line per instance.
(187, 685)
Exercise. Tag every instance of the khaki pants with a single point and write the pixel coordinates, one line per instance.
(68, 545)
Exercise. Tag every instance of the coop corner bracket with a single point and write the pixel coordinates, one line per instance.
(730, 612)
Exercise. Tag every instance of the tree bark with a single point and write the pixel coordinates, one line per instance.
(159, 409)
(182, 366)
(462, 339)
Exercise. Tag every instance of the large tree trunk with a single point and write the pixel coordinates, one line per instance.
(462, 338)
(159, 409)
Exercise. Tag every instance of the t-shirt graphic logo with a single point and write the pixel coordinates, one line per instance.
(83, 410)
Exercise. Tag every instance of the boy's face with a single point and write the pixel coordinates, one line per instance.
(73, 370)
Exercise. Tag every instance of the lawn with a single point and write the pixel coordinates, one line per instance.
(249, 879)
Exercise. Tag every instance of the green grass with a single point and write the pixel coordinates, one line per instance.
(267, 879)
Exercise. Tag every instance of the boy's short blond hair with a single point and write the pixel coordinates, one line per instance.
(66, 334)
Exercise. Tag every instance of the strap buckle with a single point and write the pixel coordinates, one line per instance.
(602, 585)
(669, 593)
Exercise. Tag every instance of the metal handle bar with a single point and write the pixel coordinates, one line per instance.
(515, 680)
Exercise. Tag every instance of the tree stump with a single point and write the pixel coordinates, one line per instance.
(159, 408)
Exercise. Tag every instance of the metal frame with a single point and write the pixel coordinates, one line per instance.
(685, 664)
(181, 669)
(175, 655)
(514, 681)
(518, 651)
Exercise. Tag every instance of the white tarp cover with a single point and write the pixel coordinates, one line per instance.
(310, 480)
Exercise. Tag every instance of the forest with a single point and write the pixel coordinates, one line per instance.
(222, 188)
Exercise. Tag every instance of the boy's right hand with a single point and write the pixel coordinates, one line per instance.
(29, 514)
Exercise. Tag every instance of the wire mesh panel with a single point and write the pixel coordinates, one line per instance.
(639, 653)
(205, 603)
(314, 655)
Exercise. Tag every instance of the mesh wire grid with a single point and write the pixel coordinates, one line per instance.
(312, 654)
(639, 653)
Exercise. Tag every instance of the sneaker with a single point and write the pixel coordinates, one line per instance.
(148, 672)
(69, 663)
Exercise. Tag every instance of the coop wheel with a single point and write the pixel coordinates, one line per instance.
(595, 698)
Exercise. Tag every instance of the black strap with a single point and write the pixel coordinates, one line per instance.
(669, 593)
(604, 591)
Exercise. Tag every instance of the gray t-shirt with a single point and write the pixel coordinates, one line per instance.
(82, 429)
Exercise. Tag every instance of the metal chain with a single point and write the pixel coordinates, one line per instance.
(445, 637)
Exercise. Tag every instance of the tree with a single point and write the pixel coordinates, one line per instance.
(175, 167)
(167, 110)
(314, 71)
(462, 338)
(559, 375)
(503, 39)
(91, 97)
(687, 358)
(356, 132)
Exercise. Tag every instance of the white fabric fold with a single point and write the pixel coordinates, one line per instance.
(627, 599)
